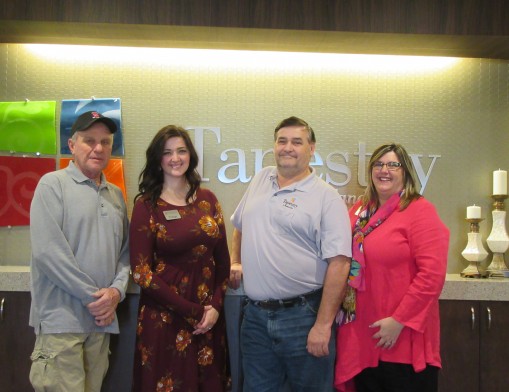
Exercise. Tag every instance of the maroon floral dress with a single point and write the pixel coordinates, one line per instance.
(180, 259)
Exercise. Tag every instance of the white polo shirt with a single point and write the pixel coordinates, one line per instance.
(288, 233)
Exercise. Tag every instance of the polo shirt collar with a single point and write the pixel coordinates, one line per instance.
(79, 177)
(304, 185)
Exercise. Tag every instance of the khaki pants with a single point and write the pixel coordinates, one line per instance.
(68, 362)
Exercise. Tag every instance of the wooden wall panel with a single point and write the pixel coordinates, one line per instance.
(452, 17)
(458, 28)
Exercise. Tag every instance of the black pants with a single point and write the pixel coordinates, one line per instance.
(397, 377)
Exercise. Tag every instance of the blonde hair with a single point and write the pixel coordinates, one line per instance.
(409, 182)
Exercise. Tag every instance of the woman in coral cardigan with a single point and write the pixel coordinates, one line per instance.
(389, 334)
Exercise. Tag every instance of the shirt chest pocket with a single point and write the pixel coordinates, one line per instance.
(290, 217)
(281, 221)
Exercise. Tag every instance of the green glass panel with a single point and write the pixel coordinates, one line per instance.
(28, 127)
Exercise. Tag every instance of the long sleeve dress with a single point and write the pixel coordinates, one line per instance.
(180, 259)
(406, 261)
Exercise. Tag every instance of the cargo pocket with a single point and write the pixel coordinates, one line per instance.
(42, 372)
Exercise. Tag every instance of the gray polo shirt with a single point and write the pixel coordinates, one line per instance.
(79, 237)
(288, 233)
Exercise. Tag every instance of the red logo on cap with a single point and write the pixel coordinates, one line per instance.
(96, 115)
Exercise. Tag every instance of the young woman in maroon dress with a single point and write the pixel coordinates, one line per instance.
(180, 259)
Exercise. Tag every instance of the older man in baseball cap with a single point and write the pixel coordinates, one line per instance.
(80, 263)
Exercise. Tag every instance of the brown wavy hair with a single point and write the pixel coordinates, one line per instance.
(151, 177)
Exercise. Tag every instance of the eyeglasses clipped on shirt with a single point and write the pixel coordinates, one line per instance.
(391, 166)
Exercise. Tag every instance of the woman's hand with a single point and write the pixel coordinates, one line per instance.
(209, 319)
(388, 333)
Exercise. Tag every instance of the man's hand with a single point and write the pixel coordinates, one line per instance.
(333, 292)
(235, 275)
(318, 341)
(103, 309)
(235, 263)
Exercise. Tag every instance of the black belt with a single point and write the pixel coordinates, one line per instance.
(275, 304)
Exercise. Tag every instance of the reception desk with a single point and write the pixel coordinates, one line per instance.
(17, 278)
(15, 287)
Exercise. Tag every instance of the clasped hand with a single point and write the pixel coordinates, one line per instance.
(209, 319)
(104, 307)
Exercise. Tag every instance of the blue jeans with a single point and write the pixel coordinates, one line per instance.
(273, 344)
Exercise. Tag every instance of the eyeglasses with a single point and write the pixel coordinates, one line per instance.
(391, 166)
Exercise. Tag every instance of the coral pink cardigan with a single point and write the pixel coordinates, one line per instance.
(406, 260)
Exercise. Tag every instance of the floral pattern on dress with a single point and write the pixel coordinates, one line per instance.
(142, 273)
(181, 266)
(183, 340)
(218, 216)
(224, 285)
(206, 272)
(209, 226)
(204, 206)
(203, 292)
(183, 284)
(141, 313)
(160, 267)
(192, 321)
(146, 353)
(166, 317)
(205, 356)
(167, 384)
(198, 251)
(188, 211)
(174, 289)
(156, 228)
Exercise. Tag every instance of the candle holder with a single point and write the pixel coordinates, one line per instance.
(498, 241)
(474, 251)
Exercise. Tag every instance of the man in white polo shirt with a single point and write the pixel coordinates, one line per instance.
(292, 244)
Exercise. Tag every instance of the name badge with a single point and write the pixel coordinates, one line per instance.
(171, 214)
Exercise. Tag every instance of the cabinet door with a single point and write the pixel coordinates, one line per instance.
(16, 342)
(459, 328)
(494, 345)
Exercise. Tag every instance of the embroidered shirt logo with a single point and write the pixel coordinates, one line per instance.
(290, 203)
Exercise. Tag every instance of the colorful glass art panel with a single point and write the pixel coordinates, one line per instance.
(28, 127)
(72, 108)
(114, 172)
(19, 177)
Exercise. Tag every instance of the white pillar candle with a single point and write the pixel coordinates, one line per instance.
(500, 182)
(474, 212)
